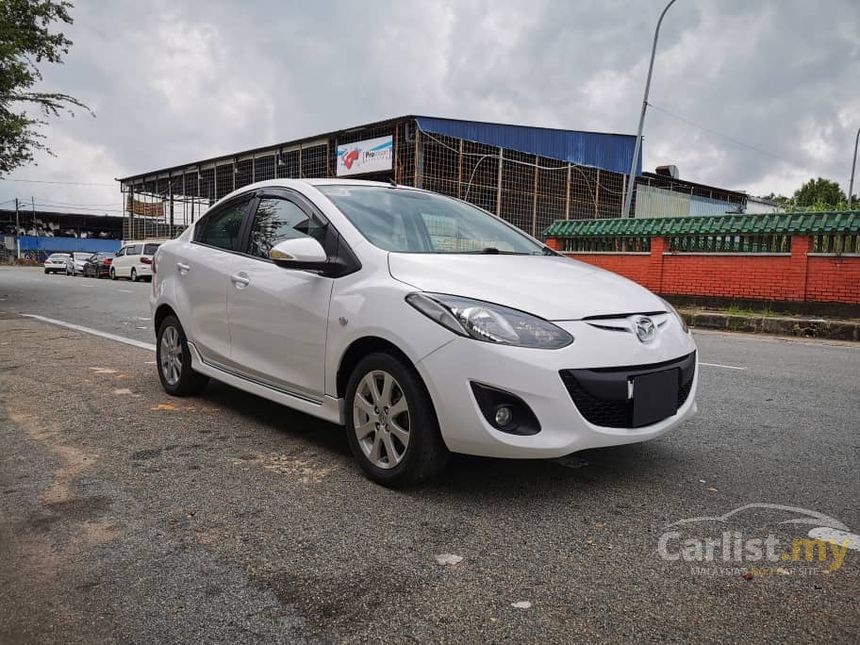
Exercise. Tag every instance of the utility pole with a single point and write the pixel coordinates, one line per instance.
(17, 231)
(853, 168)
(631, 183)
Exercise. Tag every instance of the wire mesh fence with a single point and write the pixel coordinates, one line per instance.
(527, 190)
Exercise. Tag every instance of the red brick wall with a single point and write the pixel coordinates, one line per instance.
(831, 279)
(795, 277)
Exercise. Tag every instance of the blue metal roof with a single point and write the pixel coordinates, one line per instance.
(597, 149)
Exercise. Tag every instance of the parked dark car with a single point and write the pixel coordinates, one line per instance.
(98, 265)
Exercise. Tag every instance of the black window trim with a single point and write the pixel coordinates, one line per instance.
(296, 198)
(337, 249)
(249, 197)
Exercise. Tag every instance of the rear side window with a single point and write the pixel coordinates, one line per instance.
(150, 249)
(133, 250)
(221, 229)
(278, 220)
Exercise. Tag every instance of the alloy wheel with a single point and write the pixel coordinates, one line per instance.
(171, 355)
(380, 415)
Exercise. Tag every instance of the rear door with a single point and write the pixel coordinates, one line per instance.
(130, 259)
(118, 262)
(202, 275)
(277, 316)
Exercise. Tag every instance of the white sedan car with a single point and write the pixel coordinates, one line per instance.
(423, 324)
(56, 263)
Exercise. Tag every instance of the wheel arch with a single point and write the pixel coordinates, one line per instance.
(161, 313)
(358, 349)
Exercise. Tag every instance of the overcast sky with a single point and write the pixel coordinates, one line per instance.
(768, 91)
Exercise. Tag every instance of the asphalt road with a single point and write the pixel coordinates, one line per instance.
(129, 516)
(115, 306)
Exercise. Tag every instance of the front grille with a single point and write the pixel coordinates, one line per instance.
(600, 394)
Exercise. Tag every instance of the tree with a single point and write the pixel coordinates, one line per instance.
(821, 193)
(26, 40)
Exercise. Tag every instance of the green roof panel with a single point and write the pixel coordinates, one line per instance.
(841, 223)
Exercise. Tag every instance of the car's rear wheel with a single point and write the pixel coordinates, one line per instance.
(133, 275)
(174, 360)
(391, 424)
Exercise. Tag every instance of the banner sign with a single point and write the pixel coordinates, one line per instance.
(371, 155)
(145, 209)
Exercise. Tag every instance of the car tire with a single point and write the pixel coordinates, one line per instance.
(133, 275)
(173, 361)
(112, 274)
(46, 272)
(423, 453)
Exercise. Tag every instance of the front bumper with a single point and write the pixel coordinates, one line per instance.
(535, 376)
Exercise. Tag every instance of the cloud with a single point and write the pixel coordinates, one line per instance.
(754, 96)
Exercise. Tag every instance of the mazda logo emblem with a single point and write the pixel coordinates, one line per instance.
(646, 330)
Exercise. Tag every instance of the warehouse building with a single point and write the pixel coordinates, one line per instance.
(527, 175)
(34, 234)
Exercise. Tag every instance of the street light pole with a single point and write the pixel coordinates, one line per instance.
(853, 168)
(631, 182)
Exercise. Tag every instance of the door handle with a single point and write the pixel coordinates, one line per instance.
(240, 280)
(183, 268)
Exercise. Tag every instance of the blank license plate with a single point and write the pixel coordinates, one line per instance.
(655, 397)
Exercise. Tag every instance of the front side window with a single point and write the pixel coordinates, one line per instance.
(410, 221)
(221, 229)
(277, 220)
(121, 252)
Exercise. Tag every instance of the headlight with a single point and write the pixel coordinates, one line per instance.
(675, 313)
(488, 322)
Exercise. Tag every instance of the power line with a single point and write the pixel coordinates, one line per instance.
(77, 208)
(65, 183)
(715, 132)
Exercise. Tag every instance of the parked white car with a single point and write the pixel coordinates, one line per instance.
(423, 324)
(134, 261)
(56, 263)
(76, 261)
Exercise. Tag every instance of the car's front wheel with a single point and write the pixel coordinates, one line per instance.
(391, 423)
(174, 360)
(113, 274)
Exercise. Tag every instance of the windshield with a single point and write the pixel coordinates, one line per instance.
(410, 221)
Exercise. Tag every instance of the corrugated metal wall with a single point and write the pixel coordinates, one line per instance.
(596, 149)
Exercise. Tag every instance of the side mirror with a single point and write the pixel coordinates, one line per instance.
(299, 253)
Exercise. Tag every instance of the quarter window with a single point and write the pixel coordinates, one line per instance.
(222, 229)
(278, 220)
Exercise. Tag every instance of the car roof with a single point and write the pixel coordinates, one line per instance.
(315, 182)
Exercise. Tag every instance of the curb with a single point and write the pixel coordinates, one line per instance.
(778, 326)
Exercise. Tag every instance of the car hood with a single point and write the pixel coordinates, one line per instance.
(552, 287)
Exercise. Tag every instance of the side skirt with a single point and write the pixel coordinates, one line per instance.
(328, 408)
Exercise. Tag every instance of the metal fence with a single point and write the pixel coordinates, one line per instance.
(730, 243)
(848, 244)
(638, 244)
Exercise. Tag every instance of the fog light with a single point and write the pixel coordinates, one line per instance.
(505, 411)
(504, 415)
